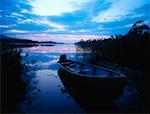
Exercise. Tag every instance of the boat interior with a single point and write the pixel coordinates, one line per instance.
(88, 70)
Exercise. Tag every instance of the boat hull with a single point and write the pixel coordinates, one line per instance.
(92, 93)
(107, 87)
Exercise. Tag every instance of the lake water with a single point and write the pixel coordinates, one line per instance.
(45, 90)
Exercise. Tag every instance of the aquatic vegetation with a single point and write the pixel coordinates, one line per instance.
(130, 50)
(13, 88)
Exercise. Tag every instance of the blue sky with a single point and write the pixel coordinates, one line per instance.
(70, 20)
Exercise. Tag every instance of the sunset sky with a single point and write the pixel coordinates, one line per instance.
(70, 20)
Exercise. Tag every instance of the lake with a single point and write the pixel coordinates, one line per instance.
(45, 92)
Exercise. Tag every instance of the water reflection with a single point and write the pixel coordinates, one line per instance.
(47, 93)
(62, 48)
(44, 93)
(47, 97)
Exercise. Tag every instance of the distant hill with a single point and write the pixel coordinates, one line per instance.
(10, 42)
(3, 36)
(6, 39)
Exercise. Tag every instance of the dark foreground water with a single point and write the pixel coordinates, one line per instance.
(45, 90)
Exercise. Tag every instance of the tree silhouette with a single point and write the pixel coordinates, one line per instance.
(139, 28)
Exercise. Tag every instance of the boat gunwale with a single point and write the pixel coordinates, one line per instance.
(92, 76)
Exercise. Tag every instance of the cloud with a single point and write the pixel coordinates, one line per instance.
(26, 21)
(4, 26)
(14, 14)
(129, 25)
(50, 30)
(73, 17)
(25, 11)
(119, 10)
(53, 24)
(80, 31)
(7, 26)
(56, 7)
(16, 31)
(43, 21)
(18, 6)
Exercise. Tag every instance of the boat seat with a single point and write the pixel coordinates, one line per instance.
(85, 71)
(66, 63)
(82, 72)
(74, 70)
(72, 65)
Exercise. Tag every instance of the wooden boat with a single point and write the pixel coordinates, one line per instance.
(90, 84)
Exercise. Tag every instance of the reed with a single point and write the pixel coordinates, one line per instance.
(130, 50)
(12, 88)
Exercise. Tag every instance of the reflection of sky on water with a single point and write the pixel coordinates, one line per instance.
(44, 92)
(58, 48)
(63, 48)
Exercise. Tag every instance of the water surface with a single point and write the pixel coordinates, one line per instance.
(45, 92)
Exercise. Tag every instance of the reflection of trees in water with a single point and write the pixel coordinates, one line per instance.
(32, 90)
(16, 80)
